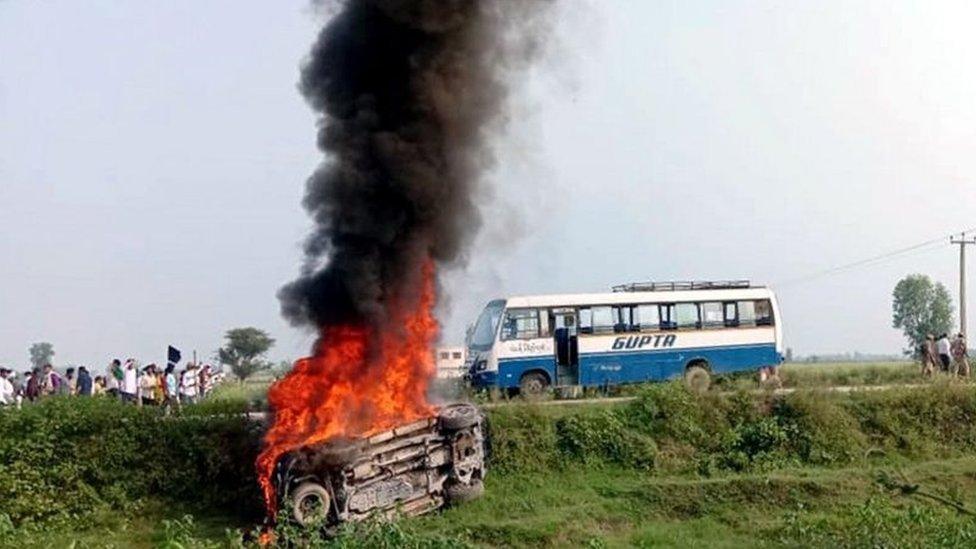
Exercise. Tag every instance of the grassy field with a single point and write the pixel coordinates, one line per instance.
(612, 507)
(848, 374)
(671, 469)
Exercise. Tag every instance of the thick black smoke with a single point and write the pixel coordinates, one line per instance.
(410, 91)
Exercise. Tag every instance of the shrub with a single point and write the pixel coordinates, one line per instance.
(522, 439)
(819, 430)
(63, 457)
(604, 438)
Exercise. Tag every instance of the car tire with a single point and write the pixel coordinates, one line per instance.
(533, 385)
(461, 493)
(458, 416)
(697, 378)
(311, 504)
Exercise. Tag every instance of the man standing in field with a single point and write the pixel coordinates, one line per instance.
(959, 359)
(130, 382)
(7, 397)
(945, 357)
(929, 356)
(113, 377)
(190, 384)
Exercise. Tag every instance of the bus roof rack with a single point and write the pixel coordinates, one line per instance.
(673, 286)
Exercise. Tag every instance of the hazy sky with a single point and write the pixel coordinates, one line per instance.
(153, 157)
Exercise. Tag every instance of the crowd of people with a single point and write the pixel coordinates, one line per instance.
(143, 386)
(945, 355)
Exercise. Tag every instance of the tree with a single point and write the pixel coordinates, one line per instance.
(41, 354)
(244, 351)
(919, 308)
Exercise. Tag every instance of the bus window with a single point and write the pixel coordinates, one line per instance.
(764, 313)
(712, 315)
(668, 319)
(520, 324)
(545, 323)
(647, 318)
(623, 318)
(602, 320)
(585, 320)
(747, 313)
(731, 315)
(687, 316)
(483, 334)
(564, 317)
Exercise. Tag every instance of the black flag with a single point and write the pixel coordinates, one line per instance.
(173, 355)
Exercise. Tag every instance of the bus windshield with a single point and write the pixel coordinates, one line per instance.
(485, 329)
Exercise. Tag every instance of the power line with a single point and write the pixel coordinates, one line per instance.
(921, 247)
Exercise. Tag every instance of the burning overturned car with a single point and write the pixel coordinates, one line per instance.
(411, 469)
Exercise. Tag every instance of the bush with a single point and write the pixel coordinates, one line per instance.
(819, 430)
(669, 427)
(522, 439)
(604, 438)
(63, 457)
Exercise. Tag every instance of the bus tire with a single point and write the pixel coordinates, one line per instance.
(697, 377)
(533, 385)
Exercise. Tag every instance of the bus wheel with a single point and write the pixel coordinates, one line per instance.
(697, 378)
(533, 385)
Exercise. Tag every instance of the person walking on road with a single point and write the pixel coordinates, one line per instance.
(147, 386)
(83, 387)
(113, 378)
(945, 352)
(960, 360)
(50, 381)
(32, 388)
(171, 385)
(7, 394)
(70, 385)
(930, 356)
(190, 384)
(130, 382)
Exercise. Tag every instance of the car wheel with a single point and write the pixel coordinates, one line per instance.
(533, 385)
(461, 493)
(697, 378)
(310, 504)
(459, 416)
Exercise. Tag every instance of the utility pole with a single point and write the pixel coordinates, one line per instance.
(962, 242)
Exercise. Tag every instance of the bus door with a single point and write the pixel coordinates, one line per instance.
(566, 346)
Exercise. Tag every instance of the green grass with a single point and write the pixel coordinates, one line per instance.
(846, 374)
(625, 508)
(744, 469)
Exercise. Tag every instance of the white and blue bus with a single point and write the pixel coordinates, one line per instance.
(639, 332)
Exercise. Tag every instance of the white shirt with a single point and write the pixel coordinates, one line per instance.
(943, 345)
(130, 383)
(6, 391)
(190, 383)
(110, 381)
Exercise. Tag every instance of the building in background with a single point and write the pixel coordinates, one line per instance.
(450, 362)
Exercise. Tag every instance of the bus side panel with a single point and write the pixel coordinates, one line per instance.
(631, 367)
(510, 370)
(638, 366)
(724, 360)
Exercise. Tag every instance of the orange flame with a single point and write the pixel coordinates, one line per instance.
(362, 380)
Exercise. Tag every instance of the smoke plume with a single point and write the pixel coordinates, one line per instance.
(410, 93)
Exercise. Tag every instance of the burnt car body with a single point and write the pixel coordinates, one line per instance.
(411, 469)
